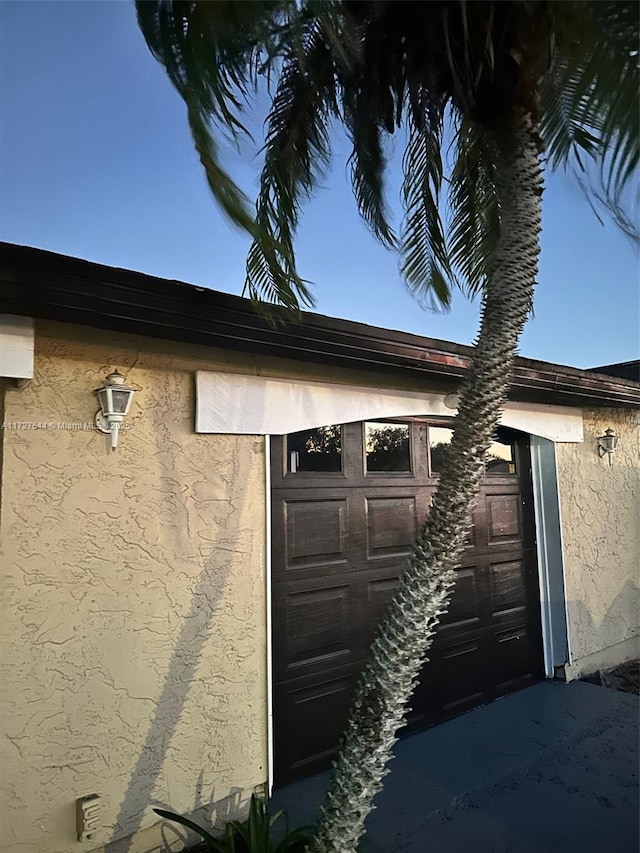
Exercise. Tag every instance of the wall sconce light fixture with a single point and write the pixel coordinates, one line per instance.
(452, 401)
(115, 401)
(607, 444)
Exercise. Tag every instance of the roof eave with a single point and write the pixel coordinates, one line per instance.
(48, 286)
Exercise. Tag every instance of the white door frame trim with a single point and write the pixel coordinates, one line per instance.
(269, 648)
(551, 572)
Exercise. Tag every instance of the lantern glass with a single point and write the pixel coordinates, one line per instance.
(607, 444)
(115, 401)
(120, 400)
(104, 396)
(608, 441)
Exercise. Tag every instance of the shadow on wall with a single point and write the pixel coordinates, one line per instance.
(186, 657)
(207, 812)
(621, 622)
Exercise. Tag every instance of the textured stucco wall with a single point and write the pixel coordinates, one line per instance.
(600, 506)
(133, 601)
(133, 607)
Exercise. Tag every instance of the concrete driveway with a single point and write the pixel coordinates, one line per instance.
(551, 768)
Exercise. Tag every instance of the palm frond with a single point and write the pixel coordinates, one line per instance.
(624, 211)
(373, 65)
(565, 136)
(590, 94)
(223, 188)
(368, 166)
(365, 69)
(212, 53)
(614, 64)
(295, 155)
(424, 261)
(474, 226)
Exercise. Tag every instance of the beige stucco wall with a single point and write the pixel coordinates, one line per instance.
(600, 508)
(133, 601)
(133, 608)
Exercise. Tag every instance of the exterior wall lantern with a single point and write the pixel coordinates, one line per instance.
(452, 401)
(607, 444)
(115, 401)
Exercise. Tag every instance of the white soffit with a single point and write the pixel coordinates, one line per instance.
(16, 346)
(257, 405)
(557, 423)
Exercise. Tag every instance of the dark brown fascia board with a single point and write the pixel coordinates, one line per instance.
(46, 285)
(622, 370)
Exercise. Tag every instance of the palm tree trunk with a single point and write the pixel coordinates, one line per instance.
(405, 634)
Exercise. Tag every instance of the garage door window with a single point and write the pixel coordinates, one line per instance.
(317, 449)
(501, 458)
(439, 441)
(387, 448)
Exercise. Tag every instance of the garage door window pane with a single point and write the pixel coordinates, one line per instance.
(501, 459)
(439, 441)
(387, 447)
(317, 449)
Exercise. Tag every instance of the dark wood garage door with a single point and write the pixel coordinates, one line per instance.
(346, 502)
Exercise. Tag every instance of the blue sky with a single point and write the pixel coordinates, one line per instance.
(96, 162)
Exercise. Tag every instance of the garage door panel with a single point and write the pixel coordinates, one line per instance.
(451, 632)
(316, 533)
(461, 648)
(515, 660)
(496, 550)
(462, 704)
(519, 682)
(317, 625)
(379, 594)
(511, 630)
(459, 624)
(472, 556)
(465, 599)
(320, 711)
(515, 652)
(472, 539)
(391, 525)
(495, 485)
(510, 623)
(451, 682)
(503, 519)
(508, 586)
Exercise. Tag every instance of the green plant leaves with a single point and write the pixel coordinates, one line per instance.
(184, 821)
(254, 835)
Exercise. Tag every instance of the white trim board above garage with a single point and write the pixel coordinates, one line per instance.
(241, 404)
(16, 347)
